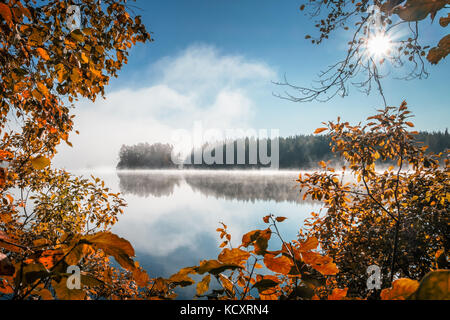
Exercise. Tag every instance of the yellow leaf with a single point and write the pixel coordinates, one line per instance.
(84, 58)
(40, 162)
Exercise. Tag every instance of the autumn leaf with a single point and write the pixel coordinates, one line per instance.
(327, 269)
(40, 162)
(215, 267)
(441, 51)
(444, 21)
(323, 264)
(281, 264)
(280, 219)
(310, 244)
(43, 53)
(258, 238)
(90, 281)
(45, 294)
(64, 293)
(5, 12)
(113, 245)
(265, 284)
(416, 10)
(141, 277)
(49, 258)
(6, 267)
(203, 285)
(32, 272)
(401, 289)
(75, 253)
(227, 284)
(181, 278)
(77, 35)
(9, 243)
(338, 294)
(42, 88)
(434, 286)
(235, 256)
(319, 130)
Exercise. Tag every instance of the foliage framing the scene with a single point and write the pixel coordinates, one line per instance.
(50, 219)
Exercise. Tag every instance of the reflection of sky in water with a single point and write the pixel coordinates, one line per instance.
(171, 220)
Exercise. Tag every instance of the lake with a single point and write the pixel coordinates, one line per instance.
(172, 215)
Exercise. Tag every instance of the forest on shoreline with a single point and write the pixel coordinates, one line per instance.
(295, 152)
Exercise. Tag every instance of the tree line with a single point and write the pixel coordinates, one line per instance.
(295, 152)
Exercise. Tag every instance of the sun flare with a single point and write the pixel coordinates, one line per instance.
(379, 45)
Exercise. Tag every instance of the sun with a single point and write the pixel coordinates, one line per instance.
(379, 45)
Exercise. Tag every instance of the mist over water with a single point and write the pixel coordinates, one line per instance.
(248, 185)
(172, 215)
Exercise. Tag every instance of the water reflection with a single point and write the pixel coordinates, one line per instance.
(172, 215)
(232, 185)
(145, 184)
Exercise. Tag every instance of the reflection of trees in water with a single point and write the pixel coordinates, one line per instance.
(246, 187)
(230, 186)
(144, 184)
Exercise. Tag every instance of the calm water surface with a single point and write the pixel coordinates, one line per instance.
(172, 216)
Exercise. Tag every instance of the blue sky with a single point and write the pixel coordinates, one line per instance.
(214, 62)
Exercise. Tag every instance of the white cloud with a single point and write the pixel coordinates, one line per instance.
(199, 84)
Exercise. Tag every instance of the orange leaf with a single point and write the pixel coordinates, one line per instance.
(234, 255)
(401, 289)
(6, 267)
(40, 162)
(5, 12)
(310, 244)
(43, 53)
(203, 285)
(319, 130)
(280, 265)
(338, 294)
